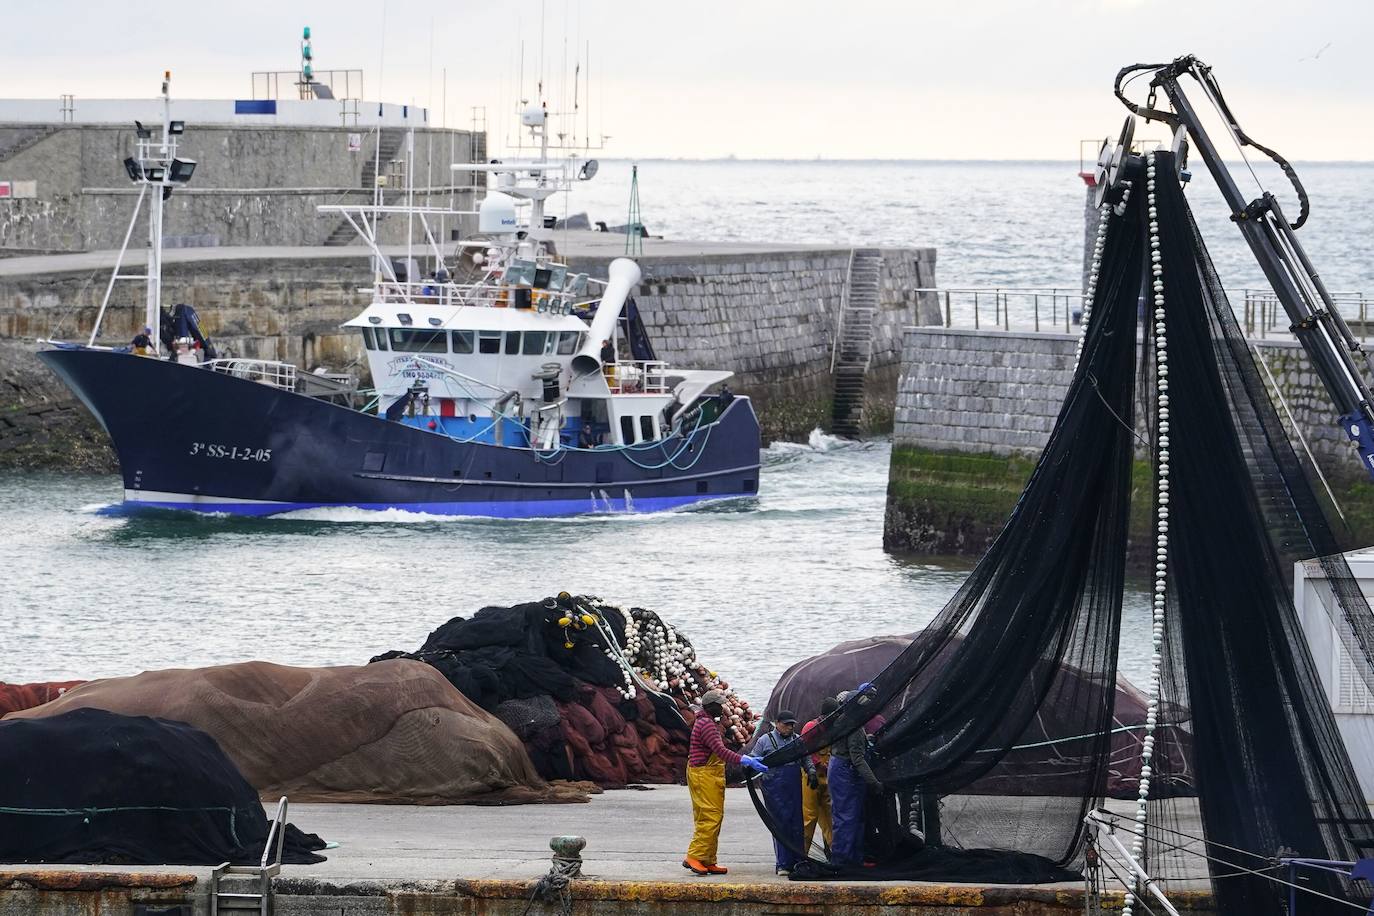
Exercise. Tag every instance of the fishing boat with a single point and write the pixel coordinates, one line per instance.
(504, 382)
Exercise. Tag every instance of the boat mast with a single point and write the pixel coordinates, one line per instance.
(152, 315)
(156, 166)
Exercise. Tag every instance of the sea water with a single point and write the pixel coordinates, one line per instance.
(757, 584)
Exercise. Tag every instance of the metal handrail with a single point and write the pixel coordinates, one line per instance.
(277, 829)
(653, 376)
(1258, 310)
(474, 294)
(266, 371)
(839, 317)
(268, 867)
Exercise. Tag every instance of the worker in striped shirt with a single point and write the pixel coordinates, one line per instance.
(706, 759)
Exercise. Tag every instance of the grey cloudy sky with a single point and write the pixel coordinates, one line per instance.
(991, 79)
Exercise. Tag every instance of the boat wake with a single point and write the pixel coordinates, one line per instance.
(817, 443)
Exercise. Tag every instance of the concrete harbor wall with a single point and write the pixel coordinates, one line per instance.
(974, 409)
(252, 185)
(39, 891)
(767, 315)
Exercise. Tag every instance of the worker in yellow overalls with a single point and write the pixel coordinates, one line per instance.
(816, 800)
(707, 756)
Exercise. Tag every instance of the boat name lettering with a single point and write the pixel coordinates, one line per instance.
(407, 367)
(230, 452)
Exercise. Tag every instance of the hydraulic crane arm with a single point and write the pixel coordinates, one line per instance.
(1335, 354)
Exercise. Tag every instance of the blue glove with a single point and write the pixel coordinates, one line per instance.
(754, 764)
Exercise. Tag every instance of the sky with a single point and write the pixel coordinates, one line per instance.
(861, 79)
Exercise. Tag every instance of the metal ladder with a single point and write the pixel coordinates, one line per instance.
(252, 883)
(853, 346)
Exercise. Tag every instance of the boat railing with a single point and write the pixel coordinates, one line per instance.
(637, 376)
(268, 372)
(475, 294)
(1060, 310)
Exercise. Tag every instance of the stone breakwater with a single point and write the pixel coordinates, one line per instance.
(770, 316)
(974, 409)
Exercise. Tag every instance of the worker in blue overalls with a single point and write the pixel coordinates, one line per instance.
(782, 788)
(851, 779)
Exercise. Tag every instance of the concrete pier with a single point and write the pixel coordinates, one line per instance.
(394, 859)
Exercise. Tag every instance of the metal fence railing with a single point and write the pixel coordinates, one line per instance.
(267, 371)
(1038, 309)
(1060, 310)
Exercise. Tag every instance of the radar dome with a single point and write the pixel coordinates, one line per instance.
(533, 116)
(497, 214)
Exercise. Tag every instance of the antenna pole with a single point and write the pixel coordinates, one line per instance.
(152, 313)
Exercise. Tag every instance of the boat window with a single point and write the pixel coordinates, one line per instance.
(419, 341)
(367, 339)
(559, 278)
(550, 342)
(627, 430)
(567, 343)
(541, 277)
(520, 272)
(512, 343)
(462, 341)
(379, 338)
(488, 341)
(534, 343)
(646, 428)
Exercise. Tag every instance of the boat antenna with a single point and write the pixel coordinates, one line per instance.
(634, 236)
(543, 5)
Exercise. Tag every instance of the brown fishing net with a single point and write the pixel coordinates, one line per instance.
(393, 731)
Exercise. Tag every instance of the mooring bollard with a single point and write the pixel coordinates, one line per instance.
(567, 854)
(567, 864)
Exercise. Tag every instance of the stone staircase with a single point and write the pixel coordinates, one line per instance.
(390, 140)
(854, 341)
(26, 140)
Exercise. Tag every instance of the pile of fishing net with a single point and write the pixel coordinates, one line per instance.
(1044, 764)
(595, 692)
(391, 732)
(14, 697)
(91, 786)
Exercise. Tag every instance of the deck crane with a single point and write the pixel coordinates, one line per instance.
(1317, 324)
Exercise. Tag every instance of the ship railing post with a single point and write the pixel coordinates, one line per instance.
(948, 323)
(1037, 313)
(975, 309)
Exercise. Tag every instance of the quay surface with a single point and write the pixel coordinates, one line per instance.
(395, 859)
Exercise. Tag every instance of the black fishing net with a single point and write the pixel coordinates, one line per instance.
(1272, 771)
(90, 786)
(1026, 651)
(557, 673)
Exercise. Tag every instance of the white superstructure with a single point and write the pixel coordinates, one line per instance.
(503, 343)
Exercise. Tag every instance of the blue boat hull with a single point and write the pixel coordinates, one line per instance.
(191, 439)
